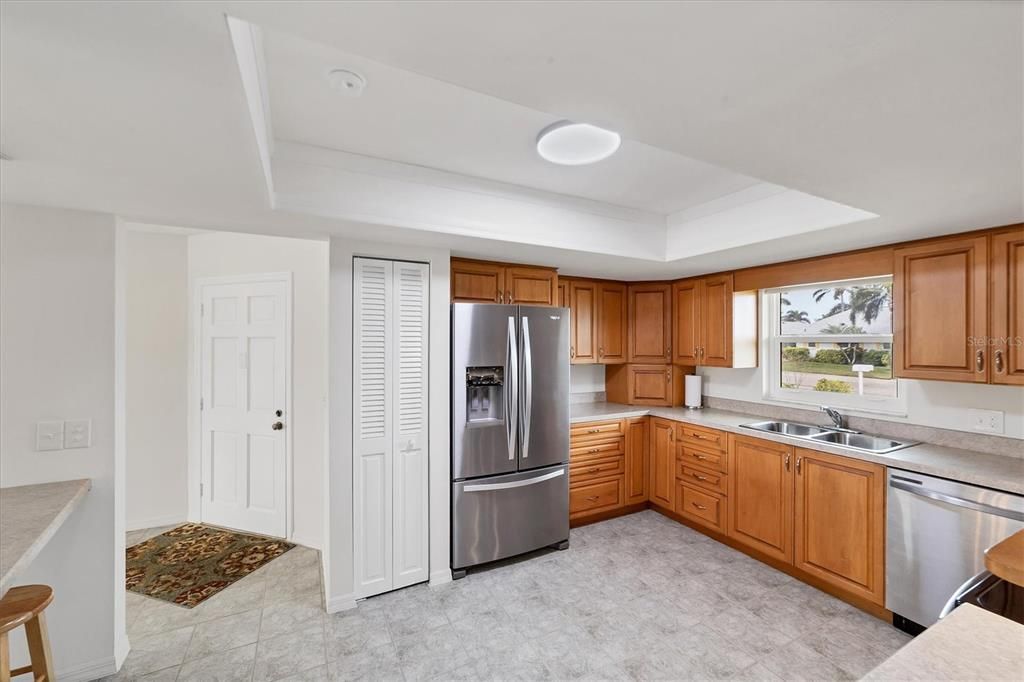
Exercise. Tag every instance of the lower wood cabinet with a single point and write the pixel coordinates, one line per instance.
(663, 462)
(821, 514)
(840, 522)
(761, 496)
(638, 457)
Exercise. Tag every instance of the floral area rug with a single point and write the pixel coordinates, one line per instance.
(191, 563)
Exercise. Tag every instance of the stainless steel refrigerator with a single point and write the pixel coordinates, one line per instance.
(510, 431)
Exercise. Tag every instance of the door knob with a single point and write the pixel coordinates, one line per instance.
(277, 426)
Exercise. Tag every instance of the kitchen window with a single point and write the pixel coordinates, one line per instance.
(831, 344)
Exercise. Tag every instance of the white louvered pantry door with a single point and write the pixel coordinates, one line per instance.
(390, 323)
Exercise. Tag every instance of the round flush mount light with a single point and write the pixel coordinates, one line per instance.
(348, 83)
(576, 144)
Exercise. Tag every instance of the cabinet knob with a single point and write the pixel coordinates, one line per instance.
(593, 470)
(799, 461)
(572, 352)
(999, 361)
(979, 360)
(699, 506)
(593, 498)
(699, 477)
(509, 295)
(787, 461)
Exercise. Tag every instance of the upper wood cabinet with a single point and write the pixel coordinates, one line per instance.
(840, 522)
(761, 496)
(531, 286)
(650, 323)
(713, 325)
(477, 281)
(940, 315)
(663, 462)
(486, 282)
(657, 385)
(1007, 307)
(583, 321)
(612, 323)
(638, 445)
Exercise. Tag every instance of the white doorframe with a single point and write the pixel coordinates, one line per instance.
(195, 387)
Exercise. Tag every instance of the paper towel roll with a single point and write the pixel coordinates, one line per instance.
(692, 394)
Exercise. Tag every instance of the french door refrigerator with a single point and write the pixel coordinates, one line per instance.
(510, 431)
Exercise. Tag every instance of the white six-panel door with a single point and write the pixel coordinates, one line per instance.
(244, 375)
(390, 322)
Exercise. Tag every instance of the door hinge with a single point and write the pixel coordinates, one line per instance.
(202, 310)
(201, 489)
(201, 402)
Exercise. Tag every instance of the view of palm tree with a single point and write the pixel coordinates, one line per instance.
(796, 316)
(864, 301)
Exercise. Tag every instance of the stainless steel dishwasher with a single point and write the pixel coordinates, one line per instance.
(936, 536)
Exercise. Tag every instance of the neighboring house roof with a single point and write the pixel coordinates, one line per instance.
(880, 325)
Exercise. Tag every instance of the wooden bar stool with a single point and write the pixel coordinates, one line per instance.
(24, 606)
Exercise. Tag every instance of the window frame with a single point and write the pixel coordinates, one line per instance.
(771, 334)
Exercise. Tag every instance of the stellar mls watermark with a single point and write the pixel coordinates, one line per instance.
(1007, 341)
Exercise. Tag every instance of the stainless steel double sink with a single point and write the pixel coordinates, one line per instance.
(842, 437)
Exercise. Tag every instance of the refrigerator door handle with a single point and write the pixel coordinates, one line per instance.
(483, 487)
(511, 389)
(527, 402)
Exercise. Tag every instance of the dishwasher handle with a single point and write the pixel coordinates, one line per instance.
(956, 501)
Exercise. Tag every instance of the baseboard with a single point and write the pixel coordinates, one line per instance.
(154, 522)
(305, 542)
(441, 577)
(87, 672)
(343, 602)
(122, 645)
(604, 516)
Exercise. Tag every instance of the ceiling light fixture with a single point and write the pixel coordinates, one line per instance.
(576, 144)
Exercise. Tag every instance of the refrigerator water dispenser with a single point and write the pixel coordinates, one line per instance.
(484, 394)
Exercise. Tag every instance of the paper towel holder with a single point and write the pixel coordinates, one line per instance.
(693, 384)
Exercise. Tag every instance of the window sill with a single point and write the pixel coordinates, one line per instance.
(894, 407)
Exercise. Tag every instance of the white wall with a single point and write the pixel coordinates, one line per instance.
(57, 271)
(586, 378)
(156, 374)
(222, 253)
(339, 574)
(939, 404)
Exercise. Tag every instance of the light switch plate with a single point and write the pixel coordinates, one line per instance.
(78, 433)
(49, 435)
(987, 421)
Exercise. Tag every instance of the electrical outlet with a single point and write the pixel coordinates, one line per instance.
(989, 421)
(49, 435)
(78, 433)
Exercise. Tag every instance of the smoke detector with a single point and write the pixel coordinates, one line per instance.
(348, 83)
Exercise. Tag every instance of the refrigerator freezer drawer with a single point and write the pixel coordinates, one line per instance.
(502, 516)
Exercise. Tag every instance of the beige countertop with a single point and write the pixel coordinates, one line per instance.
(993, 471)
(29, 517)
(968, 644)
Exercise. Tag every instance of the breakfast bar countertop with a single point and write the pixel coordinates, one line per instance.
(993, 471)
(968, 644)
(29, 517)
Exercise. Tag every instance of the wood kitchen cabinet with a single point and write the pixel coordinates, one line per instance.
(663, 462)
(654, 385)
(612, 323)
(1007, 307)
(563, 293)
(638, 453)
(713, 325)
(583, 322)
(940, 310)
(761, 496)
(650, 323)
(839, 522)
(487, 282)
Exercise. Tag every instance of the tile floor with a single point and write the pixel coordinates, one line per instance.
(635, 598)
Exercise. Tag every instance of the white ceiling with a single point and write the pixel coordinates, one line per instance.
(403, 116)
(912, 111)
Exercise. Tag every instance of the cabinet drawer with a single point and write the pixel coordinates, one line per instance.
(703, 507)
(598, 468)
(708, 439)
(703, 458)
(594, 430)
(595, 497)
(701, 478)
(597, 448)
